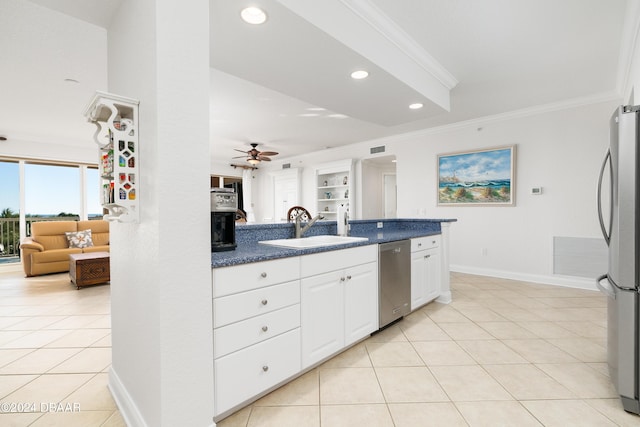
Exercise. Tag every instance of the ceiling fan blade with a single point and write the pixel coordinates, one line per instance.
(239, 157)
(241, 151)
(266, 159)
(268, 153)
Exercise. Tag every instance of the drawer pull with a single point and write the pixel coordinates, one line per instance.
(265, 328)
(427, 256)
(349, 277)
(264, 302)
(433, 242)
(419, 244)
(342, 279)
(263, 275)
(265, 368)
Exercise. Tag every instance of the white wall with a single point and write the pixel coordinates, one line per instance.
(560, 150)
(162, 355)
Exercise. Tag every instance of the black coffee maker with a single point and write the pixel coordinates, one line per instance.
(224, 204)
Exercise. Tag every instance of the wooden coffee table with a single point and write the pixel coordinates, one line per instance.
(89, 268)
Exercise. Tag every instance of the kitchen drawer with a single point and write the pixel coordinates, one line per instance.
(243, 334)
(244, 277)
(311, 265)
(244, 374)
(426, 242)
(234, 308)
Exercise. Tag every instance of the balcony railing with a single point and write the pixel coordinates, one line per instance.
(10, 234)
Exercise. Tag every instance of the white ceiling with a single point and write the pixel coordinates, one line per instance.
(270, 83)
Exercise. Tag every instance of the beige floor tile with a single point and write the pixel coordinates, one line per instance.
(441, 313)
(11, 383)
(481, 315)
(18, 420)
(355, 357)
(527, 382)
(582, 349)
(349, 385)
(409, 384)
(426, 415)
(563, 413)
(79, 338)
(506, 330)
(87, 360)
(39, 361)
(49, 388)
(103, 342)
(9, 355)
(490, 414)
(465, 331)
(7, 321)
(116, 420)
(539, 351)
(304, 390)
(612, 409)
(436, 353)
(36, 339)
(94, 395)
(103, 322)
(518, 314)
(547, 329)
(427, 331)
(494, 303)
(528, 303)
(284, 416)
(33, 323)
(393, 354)
(389, 334)
(581, 379)
(8, 336)
(237, 419)
(585, 329)
(469, 383)
(355, 415)
(490, 352)
(568, 314)
(72, 419)
(601, 367)
(75, 322)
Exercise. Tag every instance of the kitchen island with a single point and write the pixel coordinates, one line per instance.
(279, 312)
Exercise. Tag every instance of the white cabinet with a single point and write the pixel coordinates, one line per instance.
(334, 187)
(116, 119)
(425, 270)
(256, 335)
(340, 307)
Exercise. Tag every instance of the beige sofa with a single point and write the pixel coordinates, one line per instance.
(47, 250)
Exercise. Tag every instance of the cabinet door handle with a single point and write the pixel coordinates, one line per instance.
(265, 368)
(342, 279)
(427, 256)
(264, 302)
(264, 274)
(419, 244)
(265, 328)
(433, 242)
(349, 277)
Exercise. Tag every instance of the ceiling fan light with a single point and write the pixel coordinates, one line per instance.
(253, 15)
(253, 161)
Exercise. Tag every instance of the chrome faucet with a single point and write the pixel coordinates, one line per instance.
(301, 230)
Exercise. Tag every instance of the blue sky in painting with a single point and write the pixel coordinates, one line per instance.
(477, 166)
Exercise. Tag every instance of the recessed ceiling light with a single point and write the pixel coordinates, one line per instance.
(253, 15)
(338, 116)
(316, 109)
(360, 74)
(416, 106)
(308, 115)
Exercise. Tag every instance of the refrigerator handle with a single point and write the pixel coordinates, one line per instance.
(606, 289)
(605, 232)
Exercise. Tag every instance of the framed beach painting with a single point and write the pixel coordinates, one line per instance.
(481, 177)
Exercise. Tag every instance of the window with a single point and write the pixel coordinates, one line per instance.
(52, 190)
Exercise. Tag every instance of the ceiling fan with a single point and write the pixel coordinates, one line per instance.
(254, 156)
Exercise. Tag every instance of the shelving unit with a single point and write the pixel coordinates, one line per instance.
(334, 183)
(116, 120)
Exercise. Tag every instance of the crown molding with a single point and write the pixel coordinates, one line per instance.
(388, 28)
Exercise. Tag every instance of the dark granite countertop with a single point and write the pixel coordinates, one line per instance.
(248, 236)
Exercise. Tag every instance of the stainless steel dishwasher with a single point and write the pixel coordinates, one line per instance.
(394, 280)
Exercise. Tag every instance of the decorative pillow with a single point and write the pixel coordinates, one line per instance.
(79, 239)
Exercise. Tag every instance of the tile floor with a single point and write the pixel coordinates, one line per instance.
(503, 353)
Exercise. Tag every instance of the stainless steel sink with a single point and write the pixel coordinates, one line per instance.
(313, 241)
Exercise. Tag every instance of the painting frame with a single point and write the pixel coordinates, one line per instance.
(483, 177)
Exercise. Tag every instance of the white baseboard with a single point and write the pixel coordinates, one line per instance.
(126, 405)
(557, 280)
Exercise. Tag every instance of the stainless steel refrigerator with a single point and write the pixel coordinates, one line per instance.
(619, 214)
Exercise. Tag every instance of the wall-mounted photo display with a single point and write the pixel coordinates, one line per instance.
(479, 177)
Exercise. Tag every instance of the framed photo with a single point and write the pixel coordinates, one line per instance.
(481, 177)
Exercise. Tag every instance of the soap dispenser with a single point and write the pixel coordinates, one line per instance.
(342, 219)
